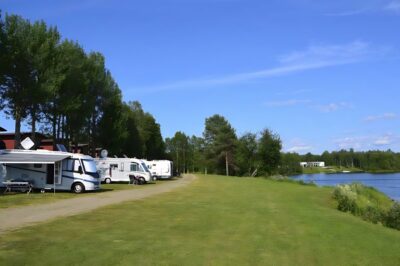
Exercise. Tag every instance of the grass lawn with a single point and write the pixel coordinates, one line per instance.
(18, 199)
(214, 221)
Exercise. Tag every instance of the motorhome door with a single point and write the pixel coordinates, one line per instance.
(50, 174)
(57, 172)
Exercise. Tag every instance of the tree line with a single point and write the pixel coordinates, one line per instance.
(54, 86)
(371, 161)
(221, 151)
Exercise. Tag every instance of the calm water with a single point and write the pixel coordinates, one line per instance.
(387, 183)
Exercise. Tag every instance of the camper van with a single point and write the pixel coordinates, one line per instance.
(161, 169)
(50, 169)
(120, 170)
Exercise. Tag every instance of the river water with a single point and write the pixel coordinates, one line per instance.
(386, 183)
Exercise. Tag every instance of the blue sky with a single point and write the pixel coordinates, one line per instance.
(325, 75)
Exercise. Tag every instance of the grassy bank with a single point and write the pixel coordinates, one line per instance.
(330, 170)
(215, 221)
(8, 200)
(335, 169)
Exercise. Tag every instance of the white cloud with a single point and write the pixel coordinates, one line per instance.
(370, 8)
(382, 141)
(351, 142)
(299, 149)
(386, 116)
(297, 145)
(393, 6)
(314, 57)
(294, 92)
(367, 142)
(284, 103)
(332, 107)
(348, 13)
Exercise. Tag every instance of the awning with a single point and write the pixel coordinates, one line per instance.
(11, 157)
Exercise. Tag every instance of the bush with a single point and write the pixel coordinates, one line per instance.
(346, 198)
(281, 178)
(393, 217)
(368, 203)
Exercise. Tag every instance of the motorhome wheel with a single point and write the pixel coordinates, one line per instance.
(108, 181)
(78, 188)
(142, 180)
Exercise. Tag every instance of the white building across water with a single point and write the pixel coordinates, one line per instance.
(312, 164)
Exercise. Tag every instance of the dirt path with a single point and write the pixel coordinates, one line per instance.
(18, 217)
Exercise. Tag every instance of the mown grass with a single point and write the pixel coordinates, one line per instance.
(215, 221)
(15, 199)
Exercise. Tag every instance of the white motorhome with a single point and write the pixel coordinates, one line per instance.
(50, 169)
(120, 170)
(161, 169)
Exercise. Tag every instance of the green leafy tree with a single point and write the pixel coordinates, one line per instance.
(220, 145)
(18, 73)
(197, 160)
(150, 133)
(43, 45)
(246, 154)
(290, 164)
(178, 148)
(269, 152)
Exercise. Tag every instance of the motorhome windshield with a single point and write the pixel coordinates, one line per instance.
(90, 166)
(145, 167)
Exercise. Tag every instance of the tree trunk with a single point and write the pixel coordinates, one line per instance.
(92, 137)
(58, 128)
(54, 125)
(17, 142)
(226, 164)
(33, 129)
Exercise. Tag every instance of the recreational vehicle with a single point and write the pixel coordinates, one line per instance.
(122, 169)
(161, 169)
(50, 169)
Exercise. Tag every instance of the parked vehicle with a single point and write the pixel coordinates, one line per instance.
(123, 170)
(48, 170)
(161, 169)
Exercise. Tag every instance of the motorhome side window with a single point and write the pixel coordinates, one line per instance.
(114, 166)
(68, 165)
(77, 163)
(37, 165)
(134, 167)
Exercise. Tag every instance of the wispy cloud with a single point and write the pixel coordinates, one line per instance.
(314, 57)
(299, 146)
(293, 92)
(368, 142)
(393, 6)
(290, 102)
(324, 108)
(332, 107)
(383, 141)
(299, 149)
(370, 8)
(348, 13)
(386, 116)
(351, 142)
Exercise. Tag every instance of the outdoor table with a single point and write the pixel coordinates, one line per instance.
(22, 186)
